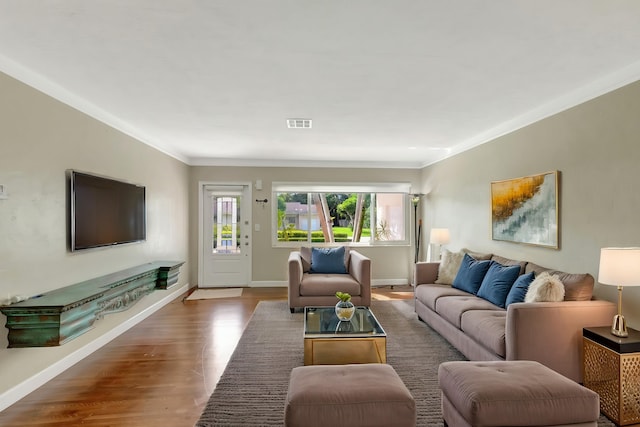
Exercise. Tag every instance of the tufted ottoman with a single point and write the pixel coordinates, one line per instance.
(513, 393)
(348, 395)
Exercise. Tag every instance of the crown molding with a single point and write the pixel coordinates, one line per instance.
(596, 88)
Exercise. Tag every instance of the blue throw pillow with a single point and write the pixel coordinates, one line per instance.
(497, 283)
(470, 274)
(519, 289)
(328, 260)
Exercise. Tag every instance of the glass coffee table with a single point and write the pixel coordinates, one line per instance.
(328, 341)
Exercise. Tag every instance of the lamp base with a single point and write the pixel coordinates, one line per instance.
(619, 327)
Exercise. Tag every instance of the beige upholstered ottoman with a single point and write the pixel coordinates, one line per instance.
(513, 393)
(348, 395)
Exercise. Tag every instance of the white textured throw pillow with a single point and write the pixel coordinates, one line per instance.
(545, 288)
(449, 266)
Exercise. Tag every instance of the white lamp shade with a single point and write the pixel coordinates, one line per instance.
(439, 236)
(619, 266)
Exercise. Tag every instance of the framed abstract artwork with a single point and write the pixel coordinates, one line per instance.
(525, 210)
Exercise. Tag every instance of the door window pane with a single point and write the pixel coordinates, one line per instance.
(226, 225)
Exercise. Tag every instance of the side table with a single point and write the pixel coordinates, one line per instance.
(612, 369)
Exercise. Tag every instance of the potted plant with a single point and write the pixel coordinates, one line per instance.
(344, 308)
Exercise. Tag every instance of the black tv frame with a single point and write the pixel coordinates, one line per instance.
(114, 188)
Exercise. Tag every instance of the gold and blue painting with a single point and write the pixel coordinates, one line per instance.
(525, 210)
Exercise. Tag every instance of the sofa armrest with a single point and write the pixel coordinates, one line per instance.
(425, 272)
(551, 332)
(295, 276)
(360, 269)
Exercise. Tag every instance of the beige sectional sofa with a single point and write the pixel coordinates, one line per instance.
(547, 332)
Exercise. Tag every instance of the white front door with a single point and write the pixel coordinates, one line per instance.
(226, 251)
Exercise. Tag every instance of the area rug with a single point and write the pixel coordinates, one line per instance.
(214, 293)
(253, 387)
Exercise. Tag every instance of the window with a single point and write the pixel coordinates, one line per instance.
(226, 220)
(357, 214)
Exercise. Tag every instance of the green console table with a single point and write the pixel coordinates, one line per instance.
(56, 317)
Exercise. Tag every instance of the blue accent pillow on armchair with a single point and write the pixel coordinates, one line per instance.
(328, 260)
(497, 283)
(519, 289)
(470, 274)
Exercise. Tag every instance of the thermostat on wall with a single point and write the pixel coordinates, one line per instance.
(3, 192)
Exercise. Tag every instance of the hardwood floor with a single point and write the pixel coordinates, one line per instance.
(159, 373)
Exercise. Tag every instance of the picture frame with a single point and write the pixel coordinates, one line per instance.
(525, 210)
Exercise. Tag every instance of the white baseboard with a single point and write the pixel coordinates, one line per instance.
(284, 284)
(269, 284)
(13, 394)
(389, 282)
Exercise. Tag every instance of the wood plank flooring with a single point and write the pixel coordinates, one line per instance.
(159, 373)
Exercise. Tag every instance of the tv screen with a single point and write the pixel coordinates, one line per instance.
(105, 212)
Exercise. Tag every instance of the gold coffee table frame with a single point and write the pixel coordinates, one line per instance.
(328, 341)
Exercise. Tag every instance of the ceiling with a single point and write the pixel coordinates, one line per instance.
(387, 83)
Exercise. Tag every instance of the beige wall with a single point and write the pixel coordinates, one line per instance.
(40, 138)
(269, 264)
(596, 148)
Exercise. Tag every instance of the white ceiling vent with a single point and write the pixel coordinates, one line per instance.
(299, 123)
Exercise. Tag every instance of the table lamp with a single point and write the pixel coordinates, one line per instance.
(619, 267)
(439, 237)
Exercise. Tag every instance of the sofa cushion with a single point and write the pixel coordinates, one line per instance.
(470, 274)
(429, 294)
(545, 288)
(519, 289)
(305, 254)
(328, 284)
(479, 256)
(537, 269)
(453, 307)
(577, 287)
(506, 261)
(328, 260)
(449, 266)
(486, 327)
(497, 283)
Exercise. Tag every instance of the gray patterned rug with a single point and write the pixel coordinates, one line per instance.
(253, 387)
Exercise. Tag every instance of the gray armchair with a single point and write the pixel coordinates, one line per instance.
(318, 289)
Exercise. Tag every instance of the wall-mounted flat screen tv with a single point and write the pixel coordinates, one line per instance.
(104, 211)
